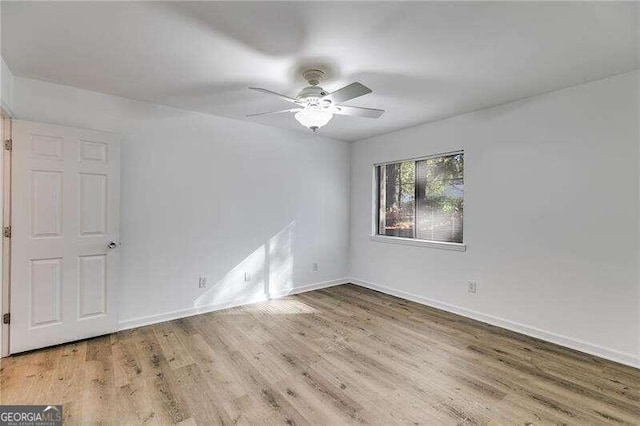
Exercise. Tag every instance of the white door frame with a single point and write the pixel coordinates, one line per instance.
(5, 200)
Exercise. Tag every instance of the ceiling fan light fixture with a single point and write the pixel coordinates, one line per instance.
(313, 118)
(315, 107)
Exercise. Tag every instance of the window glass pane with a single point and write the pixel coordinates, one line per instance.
(396, 195)
(440, 198)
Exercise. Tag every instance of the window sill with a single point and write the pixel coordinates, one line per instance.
(418, 243)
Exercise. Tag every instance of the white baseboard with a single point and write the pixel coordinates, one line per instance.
(182, 313)
(589, 348)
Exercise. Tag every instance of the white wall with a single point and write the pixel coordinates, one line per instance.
(208, 196)
(551, 217)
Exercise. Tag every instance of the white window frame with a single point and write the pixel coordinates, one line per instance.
(374, 236)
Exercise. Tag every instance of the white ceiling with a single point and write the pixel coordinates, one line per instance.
(424, 61)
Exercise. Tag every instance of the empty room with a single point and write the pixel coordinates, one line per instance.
(320, 212)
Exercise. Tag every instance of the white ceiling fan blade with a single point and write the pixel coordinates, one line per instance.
(352, 91)
(357, 111)
(275, 112)
(270, 92)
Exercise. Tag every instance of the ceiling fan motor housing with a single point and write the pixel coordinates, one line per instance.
(311, 95)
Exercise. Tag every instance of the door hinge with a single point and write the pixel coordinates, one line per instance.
(6, 318)
(6, 232)
(8, 144)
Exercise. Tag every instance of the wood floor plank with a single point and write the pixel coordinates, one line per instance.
(341, 355)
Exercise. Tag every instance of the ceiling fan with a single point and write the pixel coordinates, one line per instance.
(315, 107)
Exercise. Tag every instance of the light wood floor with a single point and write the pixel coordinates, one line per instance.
(342, 355)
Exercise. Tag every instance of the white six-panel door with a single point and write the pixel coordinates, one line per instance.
(65, 206)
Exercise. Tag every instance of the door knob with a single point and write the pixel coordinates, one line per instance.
(113, 244)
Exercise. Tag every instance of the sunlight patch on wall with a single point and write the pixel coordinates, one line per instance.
(280, 261)
(266, 272)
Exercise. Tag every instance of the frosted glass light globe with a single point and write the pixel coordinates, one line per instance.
(313, 117)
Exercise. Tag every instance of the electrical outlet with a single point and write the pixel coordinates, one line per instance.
(314, 267)
(202, 282)
(247, 277)
(472, 286)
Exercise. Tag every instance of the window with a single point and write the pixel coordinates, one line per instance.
(422, 199)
